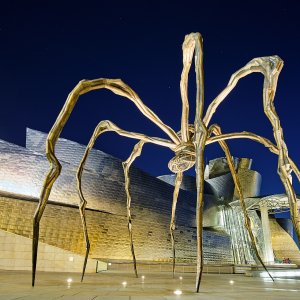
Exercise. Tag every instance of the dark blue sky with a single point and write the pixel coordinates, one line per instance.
(46, 48)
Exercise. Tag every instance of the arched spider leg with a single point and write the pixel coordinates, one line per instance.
(178, 181)
(254, 137)
(102, 127)
(82, 205)
(199, 141)
(126, 165)
(216, 130)
(270, 67)
(116, 86)
(192, 43)
(192, 46)
(256, 65)
(275, 149)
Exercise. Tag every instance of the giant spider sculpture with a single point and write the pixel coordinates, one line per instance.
(188, 144)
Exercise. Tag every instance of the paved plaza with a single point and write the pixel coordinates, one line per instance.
(123, 285)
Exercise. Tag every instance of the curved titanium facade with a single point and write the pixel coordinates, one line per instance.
(23, 171)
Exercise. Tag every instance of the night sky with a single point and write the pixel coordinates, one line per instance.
(46, 48)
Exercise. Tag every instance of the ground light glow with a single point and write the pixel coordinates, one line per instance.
(231, 282)
(178, 292)
(69, 280)
(124, 283)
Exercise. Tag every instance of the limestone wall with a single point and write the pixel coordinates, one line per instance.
(16, 254)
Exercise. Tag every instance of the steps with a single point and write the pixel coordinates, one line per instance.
(167, 267)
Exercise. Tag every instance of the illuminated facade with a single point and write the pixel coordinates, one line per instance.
(21, 179)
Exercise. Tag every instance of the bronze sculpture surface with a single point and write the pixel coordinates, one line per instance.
(188, 144)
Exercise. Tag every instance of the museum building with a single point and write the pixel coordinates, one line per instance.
(225, 239)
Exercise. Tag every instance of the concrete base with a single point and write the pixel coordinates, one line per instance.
(16, 254)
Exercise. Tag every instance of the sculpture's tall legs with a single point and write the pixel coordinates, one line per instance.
(178, 181)
(200, 139)
(50, 179)
(126, 165)
(284, 168)
(116, 86)
(217, 131)
(270, 67)
(102, 127)
(192, 44)
(83, 203)
(256, 65)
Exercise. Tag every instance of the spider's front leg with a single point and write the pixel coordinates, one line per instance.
(55, 169)
(200, 140)
(215, 129)
(118, 87)
(178, 181)
(126, 165)
(105, 126)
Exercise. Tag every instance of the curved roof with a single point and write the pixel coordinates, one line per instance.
(278, 202)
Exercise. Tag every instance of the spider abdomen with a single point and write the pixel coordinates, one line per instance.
(183, 160)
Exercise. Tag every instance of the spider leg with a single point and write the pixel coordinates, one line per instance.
(116, 86)
(192, 43)
(199, 142)
(270, 67)
(178, 181)
(83, 203)
(257, 138)
(105, 126)
(215, 129)
(50, 179)
(284, 168)
(126, 165)
(256, 65)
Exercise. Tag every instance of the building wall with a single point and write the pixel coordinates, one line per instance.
(188, 182)
(250, 181)
(16, 254)
(22, 174)
(61, 227)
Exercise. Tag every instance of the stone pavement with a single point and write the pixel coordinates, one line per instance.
(113, 285)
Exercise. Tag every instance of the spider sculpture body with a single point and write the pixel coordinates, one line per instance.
(188, 144)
